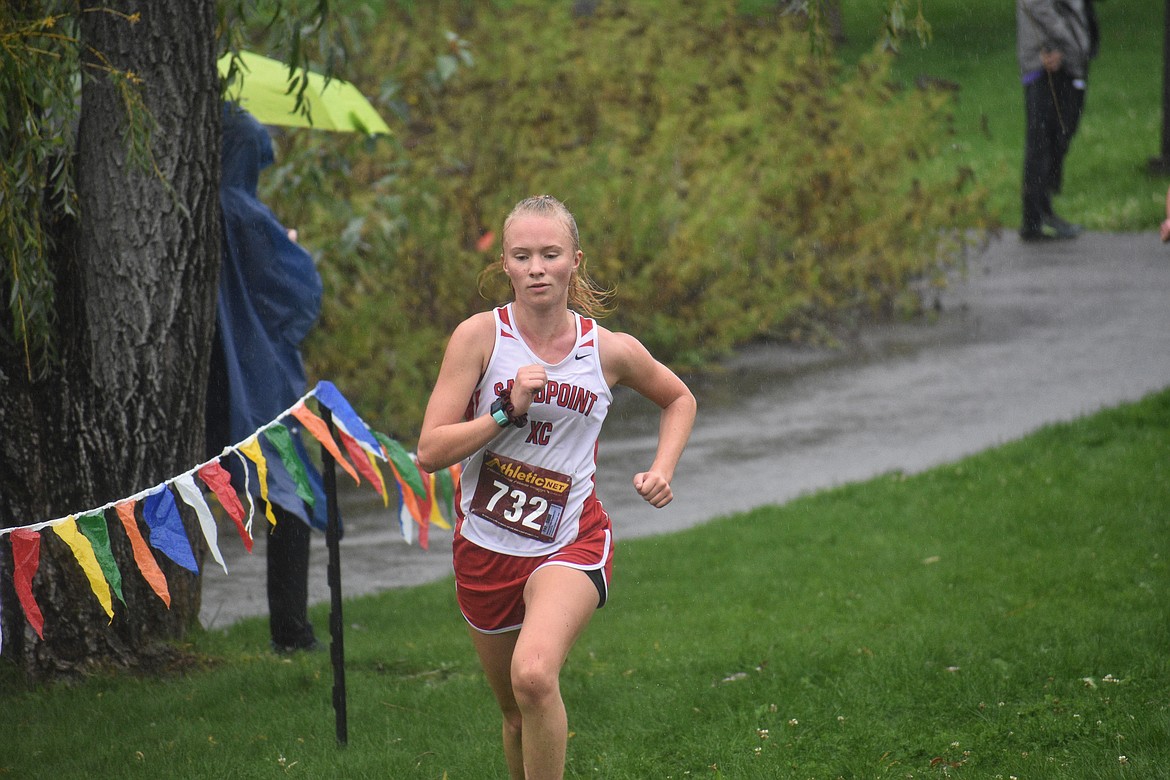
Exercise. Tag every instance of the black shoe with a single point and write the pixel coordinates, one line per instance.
(1062, 228)
(307, 646)
(1033, 235)
(1045, 232)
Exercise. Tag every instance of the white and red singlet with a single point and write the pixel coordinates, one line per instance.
(525, 492)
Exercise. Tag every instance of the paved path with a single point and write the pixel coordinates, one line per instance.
(1035, 333)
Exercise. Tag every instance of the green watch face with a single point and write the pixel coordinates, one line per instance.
(499, 415)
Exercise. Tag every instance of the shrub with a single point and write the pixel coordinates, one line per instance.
(728, 183)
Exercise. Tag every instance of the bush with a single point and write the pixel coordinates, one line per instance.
(728, 183)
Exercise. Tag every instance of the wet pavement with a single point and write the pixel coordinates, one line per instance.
(1033, 334)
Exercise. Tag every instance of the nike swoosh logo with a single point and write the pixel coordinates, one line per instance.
(582, 357)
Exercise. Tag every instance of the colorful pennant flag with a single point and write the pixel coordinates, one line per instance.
(402, 464)
(423, 499)
(316, 426)
(93, 526)
(147, 565)
(380, 484)
(425, 502)
(217, 478)
(83, 552)
(281, 440)
(26, 555)
(444, 497)
(406, 521)
(436, 514)
(167, 534)
(193, 496)
(251, 449)
(345, 418)
(357, 456)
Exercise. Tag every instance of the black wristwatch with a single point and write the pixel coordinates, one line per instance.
(502, 412)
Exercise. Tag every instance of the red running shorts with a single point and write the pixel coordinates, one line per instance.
(489, 586)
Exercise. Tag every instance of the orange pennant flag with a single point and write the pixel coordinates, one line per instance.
(426, 501)
(409, 500)
(146, 562)
(316, 426)
(426, 506)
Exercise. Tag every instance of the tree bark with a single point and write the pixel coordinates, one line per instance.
(136, 273)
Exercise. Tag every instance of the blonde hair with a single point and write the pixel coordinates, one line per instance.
(585, 295)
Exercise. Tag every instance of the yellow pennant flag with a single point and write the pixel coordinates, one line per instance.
(436, 514)
(251, 448)
(380, 485)
(83, 552)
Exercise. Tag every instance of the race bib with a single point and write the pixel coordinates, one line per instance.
(520, 497)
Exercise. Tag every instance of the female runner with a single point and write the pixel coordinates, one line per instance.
(520, 399)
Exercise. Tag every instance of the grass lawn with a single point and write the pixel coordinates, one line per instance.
(1002, 616)
(1107, 185)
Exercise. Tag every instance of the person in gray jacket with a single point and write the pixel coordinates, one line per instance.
(1055, 41)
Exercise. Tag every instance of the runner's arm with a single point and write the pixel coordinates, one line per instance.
(627, 362)
(446, 437)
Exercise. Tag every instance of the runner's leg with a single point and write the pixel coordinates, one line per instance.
(558, 604)
(495, 655)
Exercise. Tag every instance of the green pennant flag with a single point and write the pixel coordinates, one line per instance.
(93, 527)
(281, 439)
(445, 491)
(403, 464)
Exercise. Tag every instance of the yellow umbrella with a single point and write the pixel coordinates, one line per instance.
(262, 86)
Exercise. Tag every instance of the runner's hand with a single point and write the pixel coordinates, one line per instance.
(529, 379)
(654, 488)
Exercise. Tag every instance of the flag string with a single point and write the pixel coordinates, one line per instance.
(420, 503)
(231, 449)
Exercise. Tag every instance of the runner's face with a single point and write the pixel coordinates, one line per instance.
(539, 258)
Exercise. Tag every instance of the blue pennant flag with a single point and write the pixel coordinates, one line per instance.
(343, 413)
(167, 534)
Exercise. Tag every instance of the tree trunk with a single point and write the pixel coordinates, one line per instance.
(136, 273)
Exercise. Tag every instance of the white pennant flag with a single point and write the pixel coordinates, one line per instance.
(194, 496)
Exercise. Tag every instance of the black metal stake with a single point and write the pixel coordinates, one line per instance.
(1166, 84)
(1161, 164)
(336, 625)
